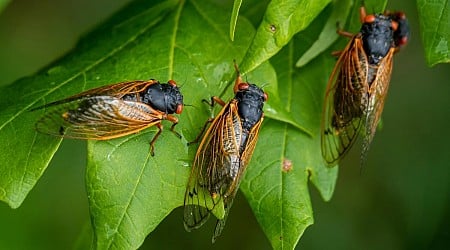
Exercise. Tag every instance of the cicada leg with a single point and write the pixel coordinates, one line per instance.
(160, 128)
(214, 100)
(344, 33)
(174, 120)
(171, 118)
(199, 136)
(152, 142)
(336, 53)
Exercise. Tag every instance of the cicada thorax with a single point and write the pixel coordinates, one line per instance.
(250, 101)
(165, 98)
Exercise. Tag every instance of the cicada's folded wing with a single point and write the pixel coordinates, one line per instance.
(345, 102)
(215, 168)
(97, 118)
(245, 158)
(377, 96)
(251, 143)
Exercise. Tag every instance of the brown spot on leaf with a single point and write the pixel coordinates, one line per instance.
(287, 165)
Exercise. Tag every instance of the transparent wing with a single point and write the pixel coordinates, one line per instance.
(345, 102)
(251, 143)
(377, 95)
(209, 179)
(120, 89)
(246, 156)
(117, 90)
(97, 118)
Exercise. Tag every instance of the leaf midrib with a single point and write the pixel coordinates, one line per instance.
(171, 67)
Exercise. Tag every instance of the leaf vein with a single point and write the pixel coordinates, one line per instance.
(173, 40)
(22, 179)
(130, 200)
(213, 24)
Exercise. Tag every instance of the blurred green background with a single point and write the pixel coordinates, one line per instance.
(401, 200)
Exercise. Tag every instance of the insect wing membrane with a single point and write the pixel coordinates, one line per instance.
(251, 143)
(117, 90)
(203, 190)
(345, 102)
(135, 87)
(378, 92)
(216, 169)
(244, 160)
(97, 118)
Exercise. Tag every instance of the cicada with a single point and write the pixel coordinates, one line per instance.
(223, 155)
(358, 85)
(113, 111)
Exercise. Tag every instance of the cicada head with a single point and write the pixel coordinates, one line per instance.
(166, 98)
(377, 36)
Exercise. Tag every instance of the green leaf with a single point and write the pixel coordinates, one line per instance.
(328, 36)
(282, 20)
(135, 44)
(253, 10)
(26, 153)
(280, 199)
(132, 45)
(434, 19)
(131, 192)
(287, 18)
(234, 17)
